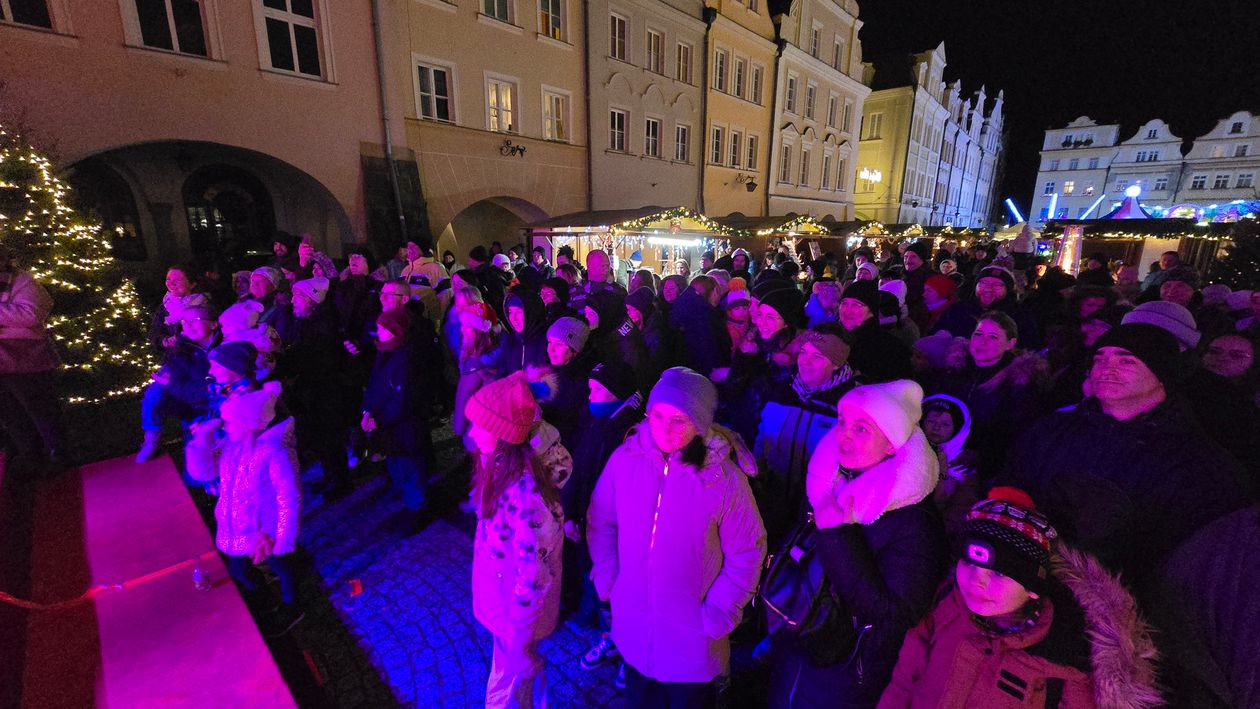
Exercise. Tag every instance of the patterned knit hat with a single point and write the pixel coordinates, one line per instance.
(1006, 534)
(505, 408)
(479, 316)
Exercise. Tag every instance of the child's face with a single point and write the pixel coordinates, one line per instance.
(988, 593)
(938, 426)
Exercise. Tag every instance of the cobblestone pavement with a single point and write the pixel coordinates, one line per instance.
(408, 638)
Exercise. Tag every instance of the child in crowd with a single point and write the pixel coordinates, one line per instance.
(519, 471)
(1020, 627)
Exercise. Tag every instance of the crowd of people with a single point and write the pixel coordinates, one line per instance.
(919, 477)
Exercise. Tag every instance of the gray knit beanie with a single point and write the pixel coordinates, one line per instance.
(689, 392)
(570, 331)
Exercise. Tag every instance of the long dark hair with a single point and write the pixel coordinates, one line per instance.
(506, 465)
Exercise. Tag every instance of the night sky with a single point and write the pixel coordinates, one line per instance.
(1190, 63)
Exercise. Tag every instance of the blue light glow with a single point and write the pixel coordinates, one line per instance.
(1010, 205)
(1094, 206)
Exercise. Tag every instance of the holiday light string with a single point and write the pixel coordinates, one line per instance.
(99, 330)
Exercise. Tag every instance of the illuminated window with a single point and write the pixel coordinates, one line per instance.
(1069, 187)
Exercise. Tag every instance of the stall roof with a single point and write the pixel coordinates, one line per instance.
(772, 224)
(598, 218)
(1143, 228)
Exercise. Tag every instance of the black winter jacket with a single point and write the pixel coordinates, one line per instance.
(393, 397)
(878, 355)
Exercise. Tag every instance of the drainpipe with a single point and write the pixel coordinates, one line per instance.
(390, 167)
(779, 45)
(590, 119)
(709, 15)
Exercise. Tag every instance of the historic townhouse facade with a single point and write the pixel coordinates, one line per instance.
(741, 57)
(1086, 170)
(646, 91)
(819, 107)
(199, 129)
(927, 154)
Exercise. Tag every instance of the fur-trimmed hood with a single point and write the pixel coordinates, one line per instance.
(906, 478)
(954, 446)
(1122, 653)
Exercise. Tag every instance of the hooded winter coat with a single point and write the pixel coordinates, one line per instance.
(884, 556)
(394, 397)
(520, 349)
(678, 550)
(1088, 648)
(596, 440)
(616, 341)
(1003, 399)
(958, 486)
(516, 553)
(258, 488)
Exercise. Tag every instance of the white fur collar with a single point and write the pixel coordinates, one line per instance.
(900, 481)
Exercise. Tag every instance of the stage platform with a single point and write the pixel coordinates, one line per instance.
(147, 637)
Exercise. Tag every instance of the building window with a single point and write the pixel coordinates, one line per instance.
(433, 89)
(551, 19)
(815, 37)
(804, 168)
(720, 61)
(26, 12)
(1152, 134)
(175, 25)
(715, 154)
(1240, 151)
(752, 5)
(790, 101)
(682, 71)
(1198, 182)
(652, 138)
(842, 176)
(1054, 165)
(785, 164)
(1049, 188)
(655, 52)
(831, 111)
(751, 161)
(826, 172)
(1245, 179)
(1069, 187)
(617, 130)
(1154, 156)
(1089, 189)
(555, 116)
(617, 37)
(1121, 184)
(498, 9)
(1221, 182)
(1218, 151)
(292, 36)
(1093, 163)
(874, 126)
(682, 143)
(837, 55)
(757, 74)
(1141, 156)
(1161, 183)
(846, 120)
(739, 78)
(736, 148)
(500, 102)
(1237, 127)
(811, 97)
(1074, 164)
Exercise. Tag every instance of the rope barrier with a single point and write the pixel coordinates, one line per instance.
(95, 591)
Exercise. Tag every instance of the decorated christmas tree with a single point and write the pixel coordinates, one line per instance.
(98, 324)
(1239, 267)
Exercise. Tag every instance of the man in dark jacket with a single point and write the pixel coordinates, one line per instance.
(614, 338)
(702, 336)
(392, 409)
(876, 354)
(525, 338)
(598, 280)
(995, 290)
(1127, 475)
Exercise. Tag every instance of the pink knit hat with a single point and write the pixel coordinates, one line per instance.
(505, 408)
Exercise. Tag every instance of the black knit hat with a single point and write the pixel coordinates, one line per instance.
(1006, 534)
(922, 248)
(788, 302)
(642, 300)
(865, 292)
(236, 356)
(559, 286)
(999, 273)
(1155, 346)
(618, 380)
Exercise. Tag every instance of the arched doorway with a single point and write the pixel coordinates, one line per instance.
(100, 193)
(230, 214)
(486, 221)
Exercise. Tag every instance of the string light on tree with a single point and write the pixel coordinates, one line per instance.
(98, 323)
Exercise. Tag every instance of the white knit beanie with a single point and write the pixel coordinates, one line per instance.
(316, 289)
(253, 411)
(240, 317)
(895, 407)
(1172, 317)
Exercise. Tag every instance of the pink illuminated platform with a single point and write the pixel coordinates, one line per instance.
(157, 642)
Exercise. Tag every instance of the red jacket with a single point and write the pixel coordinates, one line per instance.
(948, 662)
